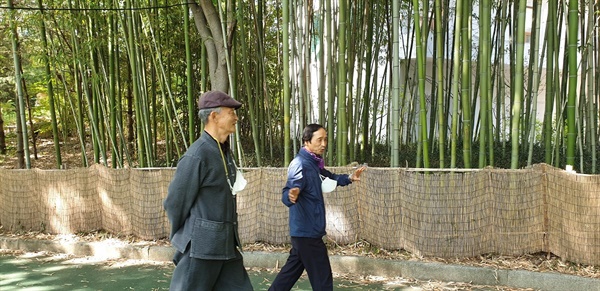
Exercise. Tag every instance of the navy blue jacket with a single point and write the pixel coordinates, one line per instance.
(307, 215)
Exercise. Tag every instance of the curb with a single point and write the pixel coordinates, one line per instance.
(340, 264)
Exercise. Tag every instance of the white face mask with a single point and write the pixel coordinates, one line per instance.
(240, 183)
(328, 185)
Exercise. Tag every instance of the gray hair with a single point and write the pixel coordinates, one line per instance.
(204, 113)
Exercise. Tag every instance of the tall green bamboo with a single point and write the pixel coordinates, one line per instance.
(117, 158)
(19, 84)
(484, 63)
(535, 78)
(519, 84)
(439, 81)
(550, 84)
(191, 107)
(93, 84)
(466, 84)
(501, 119)
(330, 79)
(455, 81)
(580, 114)
(395, 84)
(368, 88)
(354, 73)
(421, 79)
(322, 72)
(286, 83)
(573, 25)
(50, 88)
(97, 84)
(342, 127)
(248, 85)
(591, 106)
(261, 79)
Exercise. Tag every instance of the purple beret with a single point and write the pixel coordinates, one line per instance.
(212, 99)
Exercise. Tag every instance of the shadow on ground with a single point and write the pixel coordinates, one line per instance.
(40, 271)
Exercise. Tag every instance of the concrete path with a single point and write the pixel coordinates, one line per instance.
(362, 266)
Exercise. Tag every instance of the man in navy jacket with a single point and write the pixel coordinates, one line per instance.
(303, 194)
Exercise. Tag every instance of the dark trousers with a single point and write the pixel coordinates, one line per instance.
(205, 275)
(309, 254)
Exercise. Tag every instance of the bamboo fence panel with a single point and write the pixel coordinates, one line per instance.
(573, 214)
(436, 213)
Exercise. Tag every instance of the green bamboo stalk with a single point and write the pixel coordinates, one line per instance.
(573, 25)
(365, 140)
(534, 60)
(519, 84)
(330, 45)
(455, 84)
(592, 110)
(467, 120)
(286, 83)
(322, 74)
(439, 81)
(550, 84)
(48, 76)
(191, 105)
(117, 159)
(484, 62)
(19, 84)
(421, 79)
(395, 81)
(247, 85)
(342, 127)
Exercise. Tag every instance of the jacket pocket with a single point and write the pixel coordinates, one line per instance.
(212, 240)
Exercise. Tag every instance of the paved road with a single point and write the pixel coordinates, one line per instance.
(35, 272)
(39, 271)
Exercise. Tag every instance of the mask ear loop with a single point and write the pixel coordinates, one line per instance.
(225, 166)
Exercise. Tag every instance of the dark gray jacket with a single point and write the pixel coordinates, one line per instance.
(199, 203)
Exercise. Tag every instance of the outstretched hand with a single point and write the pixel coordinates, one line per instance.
(356, 175)
(293, 194)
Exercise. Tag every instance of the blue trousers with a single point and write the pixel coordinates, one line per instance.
(310, 254)
(206, 275)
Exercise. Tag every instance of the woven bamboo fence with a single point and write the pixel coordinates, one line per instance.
(441, 214)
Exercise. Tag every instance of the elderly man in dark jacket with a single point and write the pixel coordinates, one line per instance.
(201, 205)
(303, 194)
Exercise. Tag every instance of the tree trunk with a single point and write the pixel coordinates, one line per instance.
(208, 23)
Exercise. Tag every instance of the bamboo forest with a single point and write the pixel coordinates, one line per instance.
(397, 83)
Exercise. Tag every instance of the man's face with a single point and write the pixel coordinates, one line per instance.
(318, 143)
(226, 120)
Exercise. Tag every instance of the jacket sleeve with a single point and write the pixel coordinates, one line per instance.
(183, 191)
(295, 179)
(342, 179)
